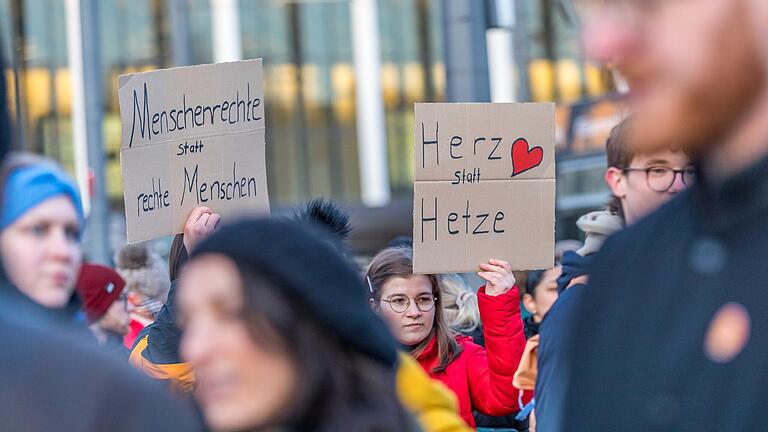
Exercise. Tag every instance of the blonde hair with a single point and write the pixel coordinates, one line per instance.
(459, 303)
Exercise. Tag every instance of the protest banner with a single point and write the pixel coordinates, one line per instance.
(192, 136)
(484, 186)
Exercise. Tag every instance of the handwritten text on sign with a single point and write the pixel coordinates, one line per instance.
(192, 136)
(484, 186)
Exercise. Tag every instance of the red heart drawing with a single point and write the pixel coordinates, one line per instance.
(524, 159)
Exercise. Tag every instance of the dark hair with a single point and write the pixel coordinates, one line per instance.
(532, 281)
(177, 257)
(327, 215)
(619, 154)
(398, 262)
(341, 388)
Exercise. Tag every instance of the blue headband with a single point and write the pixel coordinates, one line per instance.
(28, 186)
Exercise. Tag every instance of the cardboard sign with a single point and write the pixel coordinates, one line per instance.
(484, 186)
(192, 136)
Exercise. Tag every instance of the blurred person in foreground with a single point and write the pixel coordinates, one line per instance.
(101, 291)
(146, 286)
(53, 381)
(156, 351)
(41, 221)
(675, 312)
(279, 336)
(640, 182)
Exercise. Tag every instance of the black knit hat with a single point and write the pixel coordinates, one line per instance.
(305, 262)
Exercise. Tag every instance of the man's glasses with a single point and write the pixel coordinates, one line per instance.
(401, 303)
(661, 179)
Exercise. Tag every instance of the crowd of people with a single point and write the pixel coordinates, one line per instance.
(653, 322)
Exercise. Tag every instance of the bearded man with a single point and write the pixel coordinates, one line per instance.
(674, 333)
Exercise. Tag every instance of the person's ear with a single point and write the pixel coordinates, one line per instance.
(529, 303)
(373, 305)
(616, 181)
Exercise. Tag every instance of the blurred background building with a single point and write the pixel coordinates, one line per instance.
(341, 78)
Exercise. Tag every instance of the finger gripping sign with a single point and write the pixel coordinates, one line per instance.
(484, 186)
(192, 136)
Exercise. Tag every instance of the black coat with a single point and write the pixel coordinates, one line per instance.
(553, 357)
(55, 381)
(638, 361)
(163, 335)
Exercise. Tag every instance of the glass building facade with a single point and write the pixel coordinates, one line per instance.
(307, 47)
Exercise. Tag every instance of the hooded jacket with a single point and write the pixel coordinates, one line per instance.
(481, 377)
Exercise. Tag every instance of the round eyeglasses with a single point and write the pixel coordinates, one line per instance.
(401, 303)
(661, 179)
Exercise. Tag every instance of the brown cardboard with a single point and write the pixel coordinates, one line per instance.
(488, 124)
(517, 193)
(218, 163)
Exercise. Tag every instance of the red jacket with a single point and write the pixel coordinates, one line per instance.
(481, 377)
(133, 331)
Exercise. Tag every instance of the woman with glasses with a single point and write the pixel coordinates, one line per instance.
(480, 377)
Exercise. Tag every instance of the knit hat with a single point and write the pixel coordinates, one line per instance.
(144, 271)
(304, 262)
(98, 287)
(28, 186)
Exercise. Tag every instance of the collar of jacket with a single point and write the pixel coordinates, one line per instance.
(734, 201)
(25, 306)
(430, 350)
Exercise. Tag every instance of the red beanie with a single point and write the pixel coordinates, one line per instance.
(98, 287)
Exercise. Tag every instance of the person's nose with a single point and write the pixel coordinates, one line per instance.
(59, 246)
(677, 185)
(195, 343)
(609, 35)
(412, 311)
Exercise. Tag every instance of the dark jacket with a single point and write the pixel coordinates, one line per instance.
(69, 319)
(552, 357)
(54, 381)
(114, 345)
(156, 349)
(653, 293)
(531, 327)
